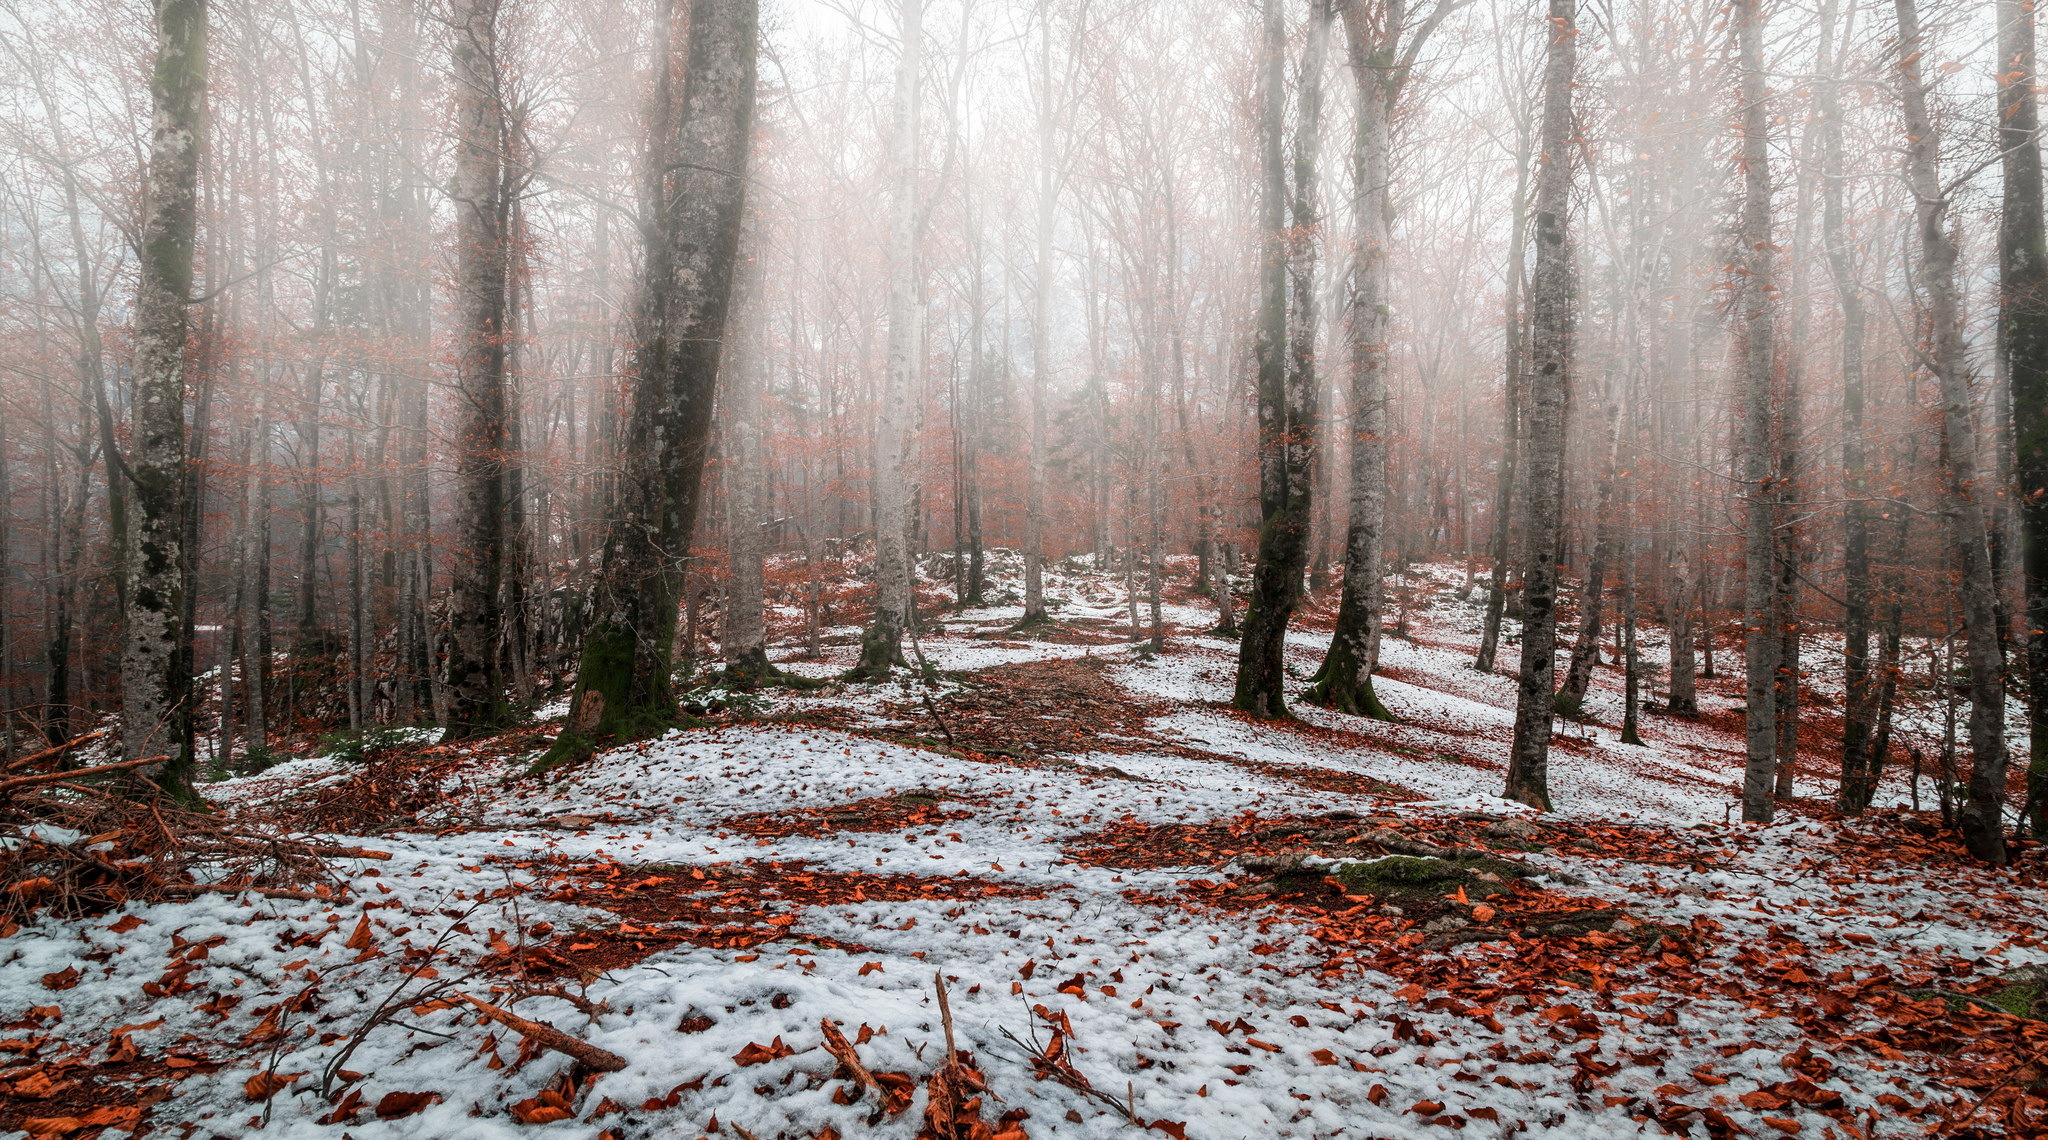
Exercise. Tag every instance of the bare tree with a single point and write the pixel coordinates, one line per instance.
(881, 644)
(1981, 818)
(691, 233)
(1287, 427)
(156, 680)
(1549, 392)
(1760, 646)
(2023, 281)
(476, 688)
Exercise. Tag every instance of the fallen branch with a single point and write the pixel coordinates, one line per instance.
(548, 1037)
(9, 787)
(53, 751)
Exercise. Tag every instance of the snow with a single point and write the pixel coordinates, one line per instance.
(1153, 968)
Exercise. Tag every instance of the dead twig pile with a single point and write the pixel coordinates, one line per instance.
(73, 843)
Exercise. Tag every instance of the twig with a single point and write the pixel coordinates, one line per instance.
(946, 1018)
(548, 1037)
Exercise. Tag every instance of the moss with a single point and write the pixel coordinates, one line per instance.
(2025, 1000)
(1420, 878)
(881, 649)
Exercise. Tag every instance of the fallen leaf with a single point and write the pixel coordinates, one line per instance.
(397, 1104)
(267, 1084)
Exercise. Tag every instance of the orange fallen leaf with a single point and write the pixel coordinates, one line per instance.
(398, 1104)
(267, 1084)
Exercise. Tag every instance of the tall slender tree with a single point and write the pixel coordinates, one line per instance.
(1286, 416)
(1981, 818)
(1761, 647)
(476, 687)
(2023, 296)
(1551, 321)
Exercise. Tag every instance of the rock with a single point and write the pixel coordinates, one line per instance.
(1447, 922)
(1511, 829)
(1278, 863)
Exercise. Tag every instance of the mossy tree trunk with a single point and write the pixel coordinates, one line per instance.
(156, 678)
(691, 231)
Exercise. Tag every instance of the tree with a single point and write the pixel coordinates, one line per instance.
(476, 688)
(1549, 393)
(156, 679)
(881, 644)
(1383, 50)
(1861, 763)
(2023, 296)
(1287, 424)
(1761, 646)
(1981, 819)
(696, 172)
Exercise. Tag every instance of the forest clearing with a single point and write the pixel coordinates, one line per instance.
(1023, 569)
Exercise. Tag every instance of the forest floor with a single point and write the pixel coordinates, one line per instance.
(1150, 913)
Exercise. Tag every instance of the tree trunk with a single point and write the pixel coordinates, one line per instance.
(1344, 681)
(1513, 329)
(2023, 280)
(1860, 696)
(1549, 390)
(881, 644)
(476, 690)
(691, 231)
(1286, 431)
(1981, 819)
(1578, 674)
(1041, 339)
(156, 681)
(1760, 646)
(744, 636)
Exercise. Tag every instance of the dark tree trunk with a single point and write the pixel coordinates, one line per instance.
(1859, 762)
(2023, 279)
(476, 689)
(1549, 390)
(1760, 644)
(1286, 430)
(692, 232)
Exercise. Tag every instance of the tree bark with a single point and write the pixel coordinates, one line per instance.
(691, 231)
(156, 681)
(881, 644)
(1860, 696)
(2023, 281)
(1760, 644)
(1041, 338)
(1286, 429)
(1981, 818)
(1344, 681)
(1549, 390)
(476, 690)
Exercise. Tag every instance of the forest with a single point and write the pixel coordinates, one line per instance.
(1004, 569)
